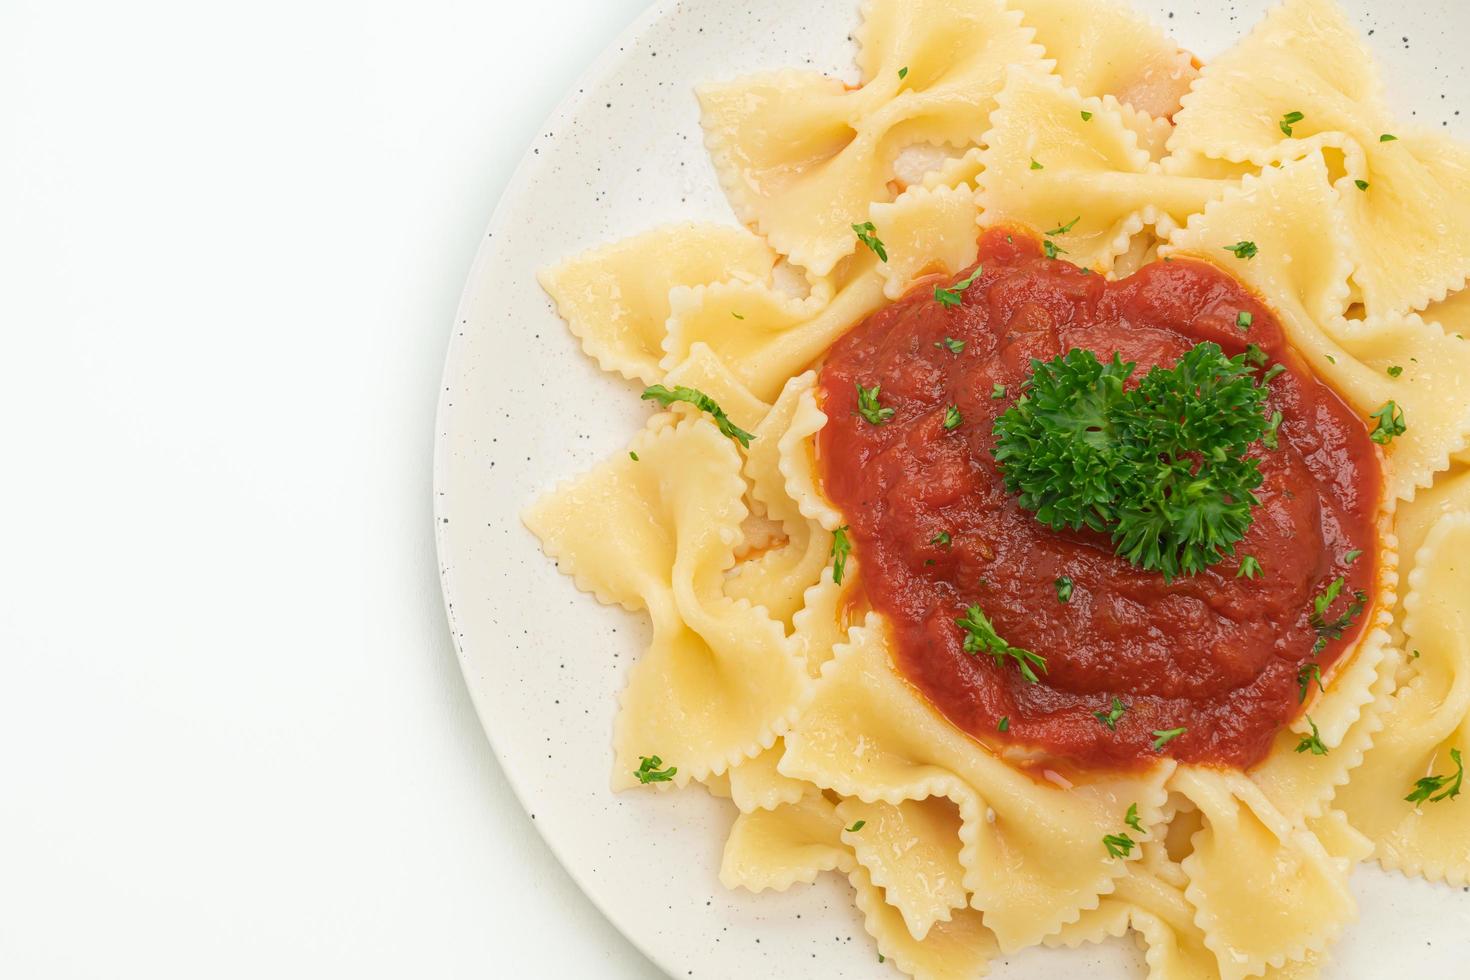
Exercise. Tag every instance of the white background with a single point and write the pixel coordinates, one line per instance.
(234, 740)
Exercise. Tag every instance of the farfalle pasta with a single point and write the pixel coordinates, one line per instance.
(1054, 519)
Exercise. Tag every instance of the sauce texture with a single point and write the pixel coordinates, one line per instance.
(1218, 654)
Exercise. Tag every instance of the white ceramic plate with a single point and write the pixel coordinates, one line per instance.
(522, 408)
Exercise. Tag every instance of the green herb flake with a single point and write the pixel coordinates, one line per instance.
(650, 770)
(1119, 845)
(1133, 820)
(841, 548)
(955, 295)
(1363, 185)
(868, 406)
(1086, 116)
(1063, 229)
(1312, 743)
(903, 73)
(952, 418)
(950, 344)
(1165, 736)
(1035, 165)
(1289, 120)
(942, 539)
(1243, 250)
(1307, 675)
(633, 456)
(981, 637)
(1271, 437)
(1390, 423)
(857, 826)
(1387, 138)
(737, 316)
(1436, 789)
(1005, 724)
(1162, 466)
(1353, 555)
(1064, 589)
(1395, 371)
(867, 233)
(1244, 319)
(1326, 629)
(1249, 568)
(998, 392)
(703, 402)
(1050, 249)
(1112, 715)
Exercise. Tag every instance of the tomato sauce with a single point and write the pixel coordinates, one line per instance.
(1217, 654)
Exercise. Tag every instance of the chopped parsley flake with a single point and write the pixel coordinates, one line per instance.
(1312, 743)
(857, 826)
(1132, 819)
(1244, 319)
(1163, 466)
(1112, 715)
(903, 73)
(704, 403)
(998, 392)
(1050, 249)
(1063, 229)
(1005, 724)
(1307, 675)
(633, 456)
(841, 548)
(1289, 120)
(867, 233)
(737, 316)
(1255, 355)
(650, 770)
(950, 344)
(1249, 568)
(1435, 789)
(1119, 845)
(1387, 138)
(1332, 629)
(1243, 250)
(1353, 555)
(942, 539)
(981, 637)
(1086, 116)
(952, 418)
(1165, 736)
(1270, 438)
(1035, 165)
(1064, 589)
(1395, 371)
(955, 295)
(868, 406)
(1363, 185)
(1390, 423)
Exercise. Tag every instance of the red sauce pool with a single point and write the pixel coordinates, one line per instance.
(1214, 653)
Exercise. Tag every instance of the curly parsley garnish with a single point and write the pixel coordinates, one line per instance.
(955, 295)
(841, 548)
(868, 406)
(1163, 467)
(1312, 743)
(867, 233)
(1326, 629)
(1434, 789)
(981, 637)
(1119, 845)
(704, 403)
(1165, 736)
(1289, 120)
(1390, 423)
(650, 771)
(1064, 589)
(1112, 715)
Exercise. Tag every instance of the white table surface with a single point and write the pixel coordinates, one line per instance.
(234, 741)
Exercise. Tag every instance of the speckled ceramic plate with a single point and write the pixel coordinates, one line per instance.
(522, 408)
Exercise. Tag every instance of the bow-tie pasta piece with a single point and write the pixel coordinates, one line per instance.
(767, 336)
(926, 231)
(1034, 852)
(801, 157)
(1083, 181)
(777, 848)
(1405, 796)
(911, 850)
(756, 784)
(1303, 69)
(720, 680)
(1300, 265)
(958, 949)
(1266, 889)
(615, 299)
(1105, 47)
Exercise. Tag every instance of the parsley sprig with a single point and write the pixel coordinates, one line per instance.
(1390, 423)
(704, 403)
(867, 233)
(1163, 467)
(868, 406)
(1112, 715)
(1312, 743)
(1435, 789)
(1327, 629)
(955, 295)
(981, 637)
(650, 770)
